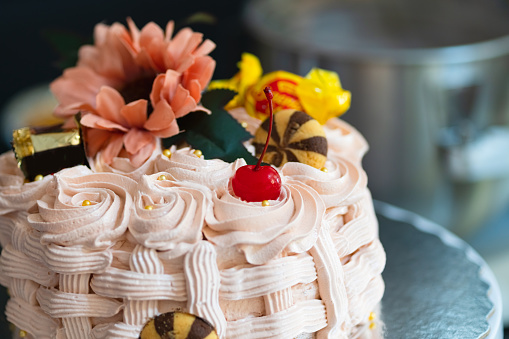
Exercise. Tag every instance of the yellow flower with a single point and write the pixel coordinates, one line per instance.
(250, 71)
(319, 94)
(322, 96)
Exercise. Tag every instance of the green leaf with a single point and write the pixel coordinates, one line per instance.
(200, 18)
(218, 135)
(217, 98)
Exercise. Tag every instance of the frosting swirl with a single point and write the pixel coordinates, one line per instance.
(343, 184)
(14, 194)
(123, 166)
(62, 220)
(176, 218)
(344, 140)
(184, 165)
(290, 223)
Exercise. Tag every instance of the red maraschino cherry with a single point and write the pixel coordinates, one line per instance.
(255, 182)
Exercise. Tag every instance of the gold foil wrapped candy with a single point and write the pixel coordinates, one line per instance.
(46, 150)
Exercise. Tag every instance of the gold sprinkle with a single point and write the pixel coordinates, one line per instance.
(198, 153)
(38, 177)
(149, 207)
(9, 292)
(167, 153)
(243, 124)
(372, 326)
(86, 203)
(162, 177)
(324, 169)
(372, 316)
(265, 203)
(22, 333)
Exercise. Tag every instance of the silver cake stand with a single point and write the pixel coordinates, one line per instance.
(437, 286)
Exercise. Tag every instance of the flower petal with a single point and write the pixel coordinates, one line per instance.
(162, 122)
(95, 139)
(113, 147)
(178, 54)
(194, 88)
(135, 35)
(144, 60)
(93, 121)
(169, 30)
(205, 48)
(111, 56)
(136, 139)
(77, 85)
(109, 102)
(201, 70)
(135, 113)
(152, 44)
(164, 86)
(142, 155)
(182, 102)
(100, 33)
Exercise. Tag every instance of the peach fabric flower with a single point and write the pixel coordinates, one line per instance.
(132, 84)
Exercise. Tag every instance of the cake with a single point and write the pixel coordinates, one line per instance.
(109, 246)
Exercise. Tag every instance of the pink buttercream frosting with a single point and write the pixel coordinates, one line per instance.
(124, 166)
(172, 235)
(15, 195)
(62, 220)
(343, 184)
(184, 165)
(176, 216)
(290, 223)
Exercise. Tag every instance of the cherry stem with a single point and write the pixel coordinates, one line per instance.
(269, 96)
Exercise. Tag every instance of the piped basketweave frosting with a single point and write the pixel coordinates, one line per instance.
(104, 270)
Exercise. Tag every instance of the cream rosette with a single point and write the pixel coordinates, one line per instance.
(344, 140)
(123, 166)
(15, 195)
(62, 219)
(343, 184)
(290, 223)
(175, 218)
(184, 165)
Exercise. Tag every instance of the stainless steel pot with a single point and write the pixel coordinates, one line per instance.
(430, 92)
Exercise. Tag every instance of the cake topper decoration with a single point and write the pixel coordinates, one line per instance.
(318, 94)
(132, 85)
(295, 137)
(45, 150)
(254, 183)
(178, 325)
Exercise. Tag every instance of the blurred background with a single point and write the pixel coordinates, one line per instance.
(430, 85)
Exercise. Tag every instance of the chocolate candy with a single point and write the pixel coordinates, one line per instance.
(46, 150)
(178, 325)
(295, 137)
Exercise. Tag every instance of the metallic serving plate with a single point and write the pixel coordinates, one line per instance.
(436, 285)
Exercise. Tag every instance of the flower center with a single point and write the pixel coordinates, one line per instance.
(137, 89)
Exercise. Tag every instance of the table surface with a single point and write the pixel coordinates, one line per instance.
(436, 285)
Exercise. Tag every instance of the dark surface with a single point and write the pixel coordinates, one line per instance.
(432, 290)
(4, 325)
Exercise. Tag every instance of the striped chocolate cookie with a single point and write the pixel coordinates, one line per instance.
(295, 137)
(178, 325)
